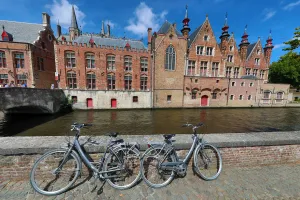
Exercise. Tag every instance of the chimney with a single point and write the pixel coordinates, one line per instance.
(108, 30)
(58, 30)
(46, 19)
(149, 37)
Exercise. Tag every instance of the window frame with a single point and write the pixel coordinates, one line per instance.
(191, 70)
(111, 62)
(209, 51)
(70, 59)
(72, 80)
(200, 50)
(19, 62)
(90, 61)
(203, 68)
(135, 99)
(144, 64)
(143, 83)
(111, 81)
(40, 64)
(228, 72)
(128, 63)
(170, 58)
(91, 81)
(128, 82)
(215, 69)
(2, 59)
(236, 72)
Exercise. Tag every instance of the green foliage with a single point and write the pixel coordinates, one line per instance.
(295, 42)
(286, 70)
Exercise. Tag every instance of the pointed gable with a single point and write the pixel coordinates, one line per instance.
(164, 29)
(250, 49)
(193, 36)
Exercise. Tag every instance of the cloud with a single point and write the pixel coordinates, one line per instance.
(62, 11)
(290, 6)
(279, 46)
(144, 18)
(268, 13)
(112, 24)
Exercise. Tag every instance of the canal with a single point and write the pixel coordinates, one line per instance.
(138, 122)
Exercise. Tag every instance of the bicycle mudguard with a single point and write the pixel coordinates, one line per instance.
(164, 146)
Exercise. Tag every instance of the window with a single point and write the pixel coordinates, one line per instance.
(228, 72)
(231, 97)
(70, 59)
(255, 72)
(91, 81)
(71, 78)
(258, 51)
(249, 97)
(135, 99)
(262, 74)
(40, 64)
(144, 82)
(3, 78)
(170, 58)
(2, 59)
(236, 72)
(144, 64)
(248, 71)
(214, 95)
(257, 61)
(242, 84)
(191, 68)
(279, 95)
(194, 94)
(21, 78)
(231, 48)
(241, 97)
(111, 82)
(111, 65)
(19, 60)
(232, 83)
(209, 51)
(203, 68)
(90, 60)
(128, 63)
(200, 50)
(215, 68)
(267, 94)
(230, 58)
(74, 99)
(251, 84)
(169, 98)
(127, 82)
(217, 81)
(205, 38)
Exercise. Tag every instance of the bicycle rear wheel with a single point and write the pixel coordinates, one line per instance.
(207, 162)
(124, 167)
(48, 179)
(152, 174)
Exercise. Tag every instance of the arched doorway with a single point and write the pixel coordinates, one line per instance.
(204, 100)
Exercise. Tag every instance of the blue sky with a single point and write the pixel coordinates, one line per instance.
(132, 17)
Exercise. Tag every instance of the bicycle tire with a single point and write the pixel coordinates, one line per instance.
(129, 159)
(49, 170)
(147, 158)
(205, 160)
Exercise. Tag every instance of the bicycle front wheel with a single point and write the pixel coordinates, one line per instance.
(207, 162)
(54, 172)
(152, 173)
(123, 168)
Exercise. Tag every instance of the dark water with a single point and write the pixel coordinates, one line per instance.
(156, 121)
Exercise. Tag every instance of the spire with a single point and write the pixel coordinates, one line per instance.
(225, 24)
(225, 28)
(269, 41)
(102, 29)
(186, 29)
(73, 19)
(186, 12)
(245, 37)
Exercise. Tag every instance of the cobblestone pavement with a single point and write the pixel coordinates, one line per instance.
(268, 182)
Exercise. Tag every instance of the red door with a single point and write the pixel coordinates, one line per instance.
(113, 103)
(89, 102)
(204, 100)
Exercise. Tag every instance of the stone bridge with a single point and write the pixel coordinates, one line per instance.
(31, 100)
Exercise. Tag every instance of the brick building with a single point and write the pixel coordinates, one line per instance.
(115, 69)
(195, 70)
(27, 53)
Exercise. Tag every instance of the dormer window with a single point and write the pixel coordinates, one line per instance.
(205, 38)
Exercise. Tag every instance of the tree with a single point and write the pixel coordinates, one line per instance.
(295, 42)
(286, 70)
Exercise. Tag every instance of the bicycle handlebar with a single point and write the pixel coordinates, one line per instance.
(194, 127)
(79, 126)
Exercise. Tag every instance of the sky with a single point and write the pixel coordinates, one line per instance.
(132, 18)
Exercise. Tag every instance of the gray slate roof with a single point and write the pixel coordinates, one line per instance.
(22, 32)
(115, 42)
(165, 27)
(250, 48)
(193, 36)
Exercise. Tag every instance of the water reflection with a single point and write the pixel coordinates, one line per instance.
(156, 121)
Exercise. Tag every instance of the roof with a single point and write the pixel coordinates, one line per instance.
(73, 19)
(115, 42)
(22, 32)
(250, 48)
(249, 77)
(193, 36)
(165, 28)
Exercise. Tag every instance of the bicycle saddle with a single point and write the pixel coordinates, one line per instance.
(168, 136)
(112, 134)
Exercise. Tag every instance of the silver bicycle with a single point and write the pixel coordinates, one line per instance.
(160, 163)
(57, 170)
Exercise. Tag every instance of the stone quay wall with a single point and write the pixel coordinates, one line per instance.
(18, 154)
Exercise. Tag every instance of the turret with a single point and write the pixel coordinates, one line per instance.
(186, 29)
(268, 48)
(244, 45)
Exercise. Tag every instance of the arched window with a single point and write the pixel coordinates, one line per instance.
(91, 81)
(144, 80)
(279, 95)
(72, 81)
(2, 59)
(128, 63)
(90, 60)
(70, 59)
(127, 82)
(170, 58)
(110, 62)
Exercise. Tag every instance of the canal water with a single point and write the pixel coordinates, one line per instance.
(138, 122)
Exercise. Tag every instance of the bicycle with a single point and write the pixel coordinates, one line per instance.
(119, 165)
(160, 163)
